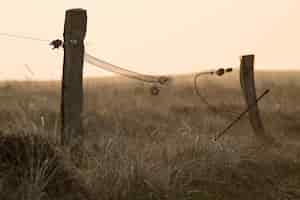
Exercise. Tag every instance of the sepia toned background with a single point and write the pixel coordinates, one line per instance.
(155, 37)
(140, 146)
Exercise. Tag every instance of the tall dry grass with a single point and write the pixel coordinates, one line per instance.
(139, 146)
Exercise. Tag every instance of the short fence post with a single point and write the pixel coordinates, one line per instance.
(247, 81)
(72, 87)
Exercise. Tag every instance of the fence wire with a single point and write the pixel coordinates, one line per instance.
(143, 77)
(123, 71)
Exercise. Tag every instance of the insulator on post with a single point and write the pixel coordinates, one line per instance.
(228, 70)
(220, 71)
(56, 44)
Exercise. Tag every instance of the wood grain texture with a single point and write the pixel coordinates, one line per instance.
(72, 88)
(247, 80)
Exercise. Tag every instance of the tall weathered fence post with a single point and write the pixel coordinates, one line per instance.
(72, 87)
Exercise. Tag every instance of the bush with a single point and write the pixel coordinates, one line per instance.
(31, 168)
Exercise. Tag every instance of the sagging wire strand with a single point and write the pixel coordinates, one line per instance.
(154, 90)
(161, 80)
(56, 44)
(125, 72)
(211, 107)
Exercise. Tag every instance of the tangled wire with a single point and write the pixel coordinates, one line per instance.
(212, 108)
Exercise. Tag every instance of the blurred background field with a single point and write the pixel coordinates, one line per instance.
(139, 146)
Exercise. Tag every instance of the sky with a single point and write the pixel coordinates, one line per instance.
(153, 36)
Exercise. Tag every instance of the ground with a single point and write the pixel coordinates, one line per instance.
(139, 146)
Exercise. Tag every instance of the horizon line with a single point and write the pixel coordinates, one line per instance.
(117, 75)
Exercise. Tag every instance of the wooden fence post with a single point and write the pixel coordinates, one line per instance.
(247, 81)
(72, 87)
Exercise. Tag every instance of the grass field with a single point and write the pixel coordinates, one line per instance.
(138, 146)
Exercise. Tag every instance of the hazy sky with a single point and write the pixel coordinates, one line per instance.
(154, 36)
